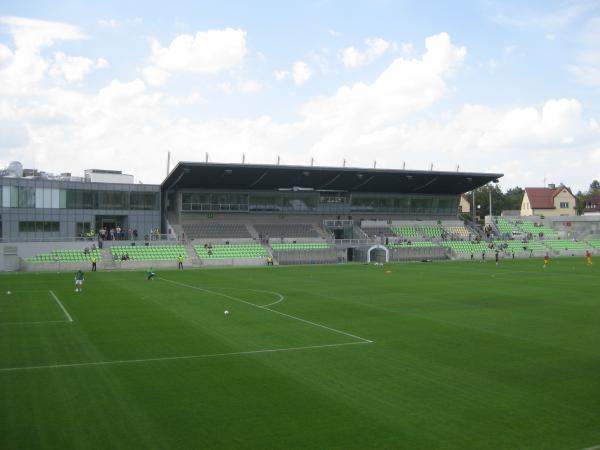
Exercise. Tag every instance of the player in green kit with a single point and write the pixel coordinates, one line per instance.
(151, 274)
(79, 281)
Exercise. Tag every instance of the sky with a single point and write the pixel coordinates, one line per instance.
(507, 87)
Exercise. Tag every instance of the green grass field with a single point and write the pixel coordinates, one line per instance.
(440, 355)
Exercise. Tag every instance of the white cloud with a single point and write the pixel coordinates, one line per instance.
(102, 63)
(243, 86)
(334, 33)
(226, 87)
(249, 86)
(376, 47)
(551, 18)
(586, 68)
(192, 99)
(34, 34)
(509, 49)
(207, 52)
(281, 74)
(108, 23)
(594, 156)
(586, 75)
(71, 68)
(407, 48)
(155, 76)
(404, 87)
(301, 72)
(24, 67)
(360, 122)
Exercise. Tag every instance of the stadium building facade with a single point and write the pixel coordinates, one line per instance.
(37, 209)
(238, 214)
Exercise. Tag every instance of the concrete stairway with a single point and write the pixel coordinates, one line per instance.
(108, 262)
(192, 255)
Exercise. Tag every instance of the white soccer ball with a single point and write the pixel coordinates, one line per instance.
(226, 312)
(8, 292)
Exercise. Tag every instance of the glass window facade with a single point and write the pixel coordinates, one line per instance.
(35, 209)
(36, 197)
(319, 202)
(39, 227)
(405, 204)
(285, 201)
(214, 202)
(146, 201)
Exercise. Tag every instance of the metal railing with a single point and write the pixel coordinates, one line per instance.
(329, 223)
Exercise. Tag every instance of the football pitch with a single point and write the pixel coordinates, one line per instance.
(449, 355)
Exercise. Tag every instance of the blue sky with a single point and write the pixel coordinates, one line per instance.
(485, 85)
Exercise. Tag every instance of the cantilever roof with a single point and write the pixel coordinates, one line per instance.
(190, 175)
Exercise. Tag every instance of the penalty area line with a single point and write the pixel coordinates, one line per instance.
(364, 340)
(175, 358)
(64, 310)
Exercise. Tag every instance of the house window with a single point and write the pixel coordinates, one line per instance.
(564, 204)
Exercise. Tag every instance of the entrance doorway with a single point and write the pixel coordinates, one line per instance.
(111, 223)
(350, 255)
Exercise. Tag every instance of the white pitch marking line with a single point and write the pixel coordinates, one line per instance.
(595, 447)
(281, 297)
(274, 303)
(67, 315)
(368, 341)
(175, 358)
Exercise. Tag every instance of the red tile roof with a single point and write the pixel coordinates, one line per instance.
(543, 198)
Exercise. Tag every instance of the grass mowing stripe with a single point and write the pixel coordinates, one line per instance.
(176, 358)
(364, 340)
(33, 323)
(67, 315)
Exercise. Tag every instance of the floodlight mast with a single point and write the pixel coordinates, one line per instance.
(168, 162)
(490, 192)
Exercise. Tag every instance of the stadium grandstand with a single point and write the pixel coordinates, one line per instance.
(301, 214)
(238, 214)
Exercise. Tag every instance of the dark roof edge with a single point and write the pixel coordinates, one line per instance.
(318, 168)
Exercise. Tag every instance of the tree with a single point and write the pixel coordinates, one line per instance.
(514, 198)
